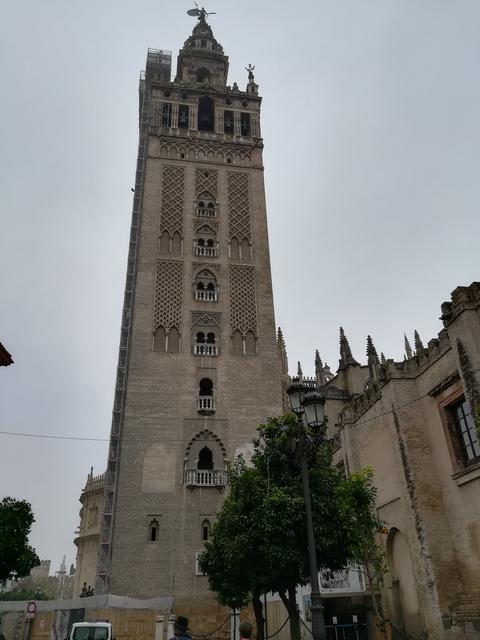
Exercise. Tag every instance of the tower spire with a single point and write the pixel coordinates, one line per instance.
(419, 348)
(282, 352)
(408, 348)
(373, 361)
(319, 373)
(346, 358)
(299, 371)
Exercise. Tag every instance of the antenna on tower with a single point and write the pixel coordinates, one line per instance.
(201, 14)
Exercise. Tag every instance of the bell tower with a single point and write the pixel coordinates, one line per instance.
(198, 365)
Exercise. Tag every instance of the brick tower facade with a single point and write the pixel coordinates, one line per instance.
(198, 366)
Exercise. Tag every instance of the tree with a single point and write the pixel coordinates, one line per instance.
(259, 540)
(17, 557)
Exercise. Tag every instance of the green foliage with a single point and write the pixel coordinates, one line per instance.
(259, 541)
(23, 594)
(17, 557)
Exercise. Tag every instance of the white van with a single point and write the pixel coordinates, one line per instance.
(90, 631)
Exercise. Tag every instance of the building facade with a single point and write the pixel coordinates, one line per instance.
(416, 423)
(198, 363)
(88, 535)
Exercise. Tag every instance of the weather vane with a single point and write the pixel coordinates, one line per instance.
(201, 14)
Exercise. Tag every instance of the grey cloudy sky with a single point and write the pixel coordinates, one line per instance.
(372, 133)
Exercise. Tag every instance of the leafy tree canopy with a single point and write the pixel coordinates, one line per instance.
(17, 557)
(259, 541)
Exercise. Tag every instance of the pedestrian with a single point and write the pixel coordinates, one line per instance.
(245, 629)
(180, 629)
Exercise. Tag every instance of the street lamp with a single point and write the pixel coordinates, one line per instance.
(309, 409)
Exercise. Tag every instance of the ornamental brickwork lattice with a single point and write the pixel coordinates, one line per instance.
(243, 300)
(206, 180)
(238, 206)
(173, 194)
(168, 295)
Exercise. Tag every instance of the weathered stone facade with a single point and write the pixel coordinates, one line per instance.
(409, 423)
(198, 365)
(88, 532)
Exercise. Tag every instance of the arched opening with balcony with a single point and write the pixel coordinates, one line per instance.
(205, 242)
(205, 460)
(205, 344)
(205, 286)
(206, 105)
(206, 206)
(206, 398)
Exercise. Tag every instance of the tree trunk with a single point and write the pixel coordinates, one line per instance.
(290, 603)
(258, 611)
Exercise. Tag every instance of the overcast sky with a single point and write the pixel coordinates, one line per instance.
(372, 145)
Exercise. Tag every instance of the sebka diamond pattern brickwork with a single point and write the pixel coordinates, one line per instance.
(238, 206)
(168, 295)
(243, 302)
(173, 193)
(206, 181)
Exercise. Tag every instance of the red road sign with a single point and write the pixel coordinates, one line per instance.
(31, 608)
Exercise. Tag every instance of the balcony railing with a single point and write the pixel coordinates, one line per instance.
(206, 404)
(205, 295)
(205, 251)
(206, 212)
(205, 349)
(199, 478)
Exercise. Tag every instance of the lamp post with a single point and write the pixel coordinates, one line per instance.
(309, 409)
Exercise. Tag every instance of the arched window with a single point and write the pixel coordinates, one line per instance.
(205, 346)
(173, 341)
(206, 108)
(205, 243)
(205, 459)
(205, 400)
(205, 286)
(159, 339)
(245, 249)
(205, 531)
(204, 466)
(206, 205)
(176, 243)
(165, 242)
(250, 343)
(234, 248)
(153, 528)
(237, 343)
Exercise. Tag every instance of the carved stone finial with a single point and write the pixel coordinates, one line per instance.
(319, 372)
(383, 360)
(373, 361)
(299, 371)
(408, 348)
(419, 348)
(346, 357)
(250, 70)
(282, 352)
